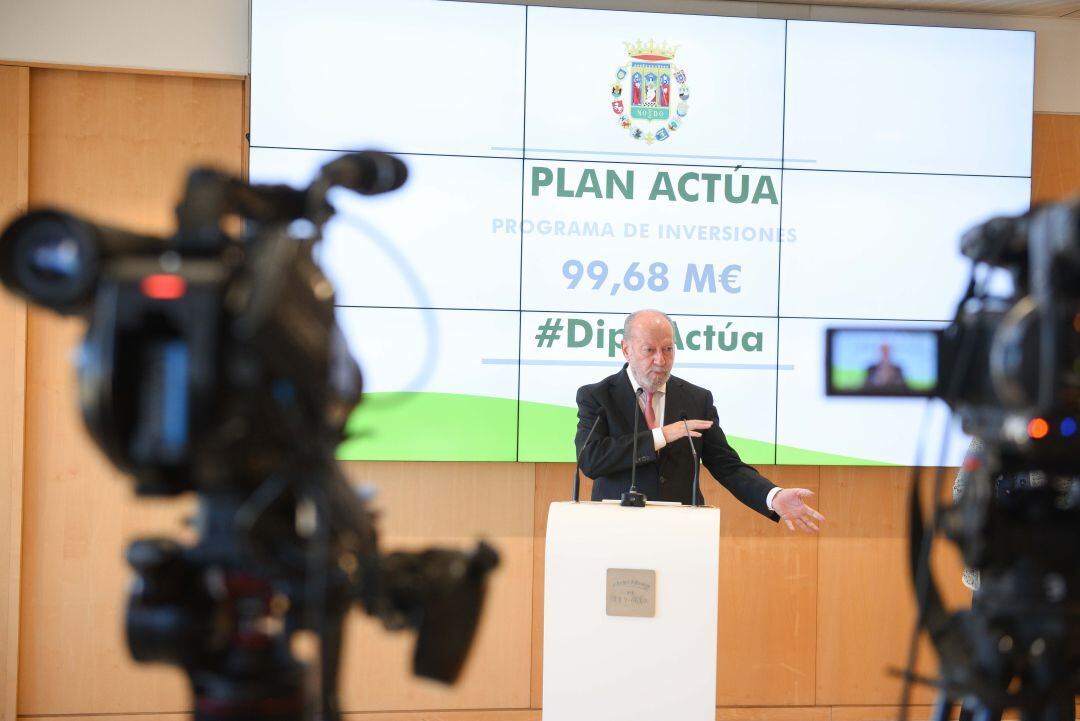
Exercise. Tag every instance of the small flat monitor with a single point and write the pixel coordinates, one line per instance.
(881, 361)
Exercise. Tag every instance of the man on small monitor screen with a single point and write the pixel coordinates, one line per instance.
(884, 373)
(668, 408)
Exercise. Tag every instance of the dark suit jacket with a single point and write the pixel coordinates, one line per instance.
(667, 475)
(898, 380)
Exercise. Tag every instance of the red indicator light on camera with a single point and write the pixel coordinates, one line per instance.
(1038, 428)
(163, 287)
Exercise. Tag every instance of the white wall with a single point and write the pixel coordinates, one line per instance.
(212, 35)
(209, 36)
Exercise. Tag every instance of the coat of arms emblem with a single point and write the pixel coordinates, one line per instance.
(658, 93)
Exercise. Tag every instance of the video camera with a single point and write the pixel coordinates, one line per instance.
(213, 363)
(1009, 366)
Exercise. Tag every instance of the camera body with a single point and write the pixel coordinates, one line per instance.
(207, 359)
(213, 364)
(1011, 366)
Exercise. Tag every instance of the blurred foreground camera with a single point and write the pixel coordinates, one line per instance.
(1009, 366)
(213, 364)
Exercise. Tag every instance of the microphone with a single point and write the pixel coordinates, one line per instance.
(632, 497)
(697, 464)
(577, 460)
(369, 172)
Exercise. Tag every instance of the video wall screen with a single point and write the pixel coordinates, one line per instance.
(758, 180)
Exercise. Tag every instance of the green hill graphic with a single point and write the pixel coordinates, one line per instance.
(453, 427)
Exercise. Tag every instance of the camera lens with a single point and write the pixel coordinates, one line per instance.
(51, 258)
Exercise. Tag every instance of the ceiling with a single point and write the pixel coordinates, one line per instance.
(1046, 8)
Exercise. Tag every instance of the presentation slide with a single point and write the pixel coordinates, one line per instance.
(409, 76)
(652, 87)
(758, 180)
(434, 384)
(882, 245)
(901, 99)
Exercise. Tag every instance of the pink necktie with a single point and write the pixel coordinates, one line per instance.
(650, 417)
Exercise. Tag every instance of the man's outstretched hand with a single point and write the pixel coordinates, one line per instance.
(790, 505)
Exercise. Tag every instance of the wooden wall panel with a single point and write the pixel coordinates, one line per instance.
(451, 504)
(1055, 157)
(768, 600)
(118, 717)
(554, 482)
(114, 147)
(117, 146)
(775, 713)
(866, 604)
(79, 517)
(14, 140)
(14, 168)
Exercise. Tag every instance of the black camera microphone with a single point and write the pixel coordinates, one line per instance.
(632, 497)
(697, 463)
(577, 460)
(369, 172)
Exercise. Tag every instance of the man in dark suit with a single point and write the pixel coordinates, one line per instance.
(885, 374)
(664, 465)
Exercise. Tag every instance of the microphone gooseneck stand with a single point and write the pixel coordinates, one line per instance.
(697, 463)
(577, 460)
(633, 498)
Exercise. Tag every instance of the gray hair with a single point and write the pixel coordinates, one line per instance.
(633, 316)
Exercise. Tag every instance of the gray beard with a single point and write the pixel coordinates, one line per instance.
(647, 384)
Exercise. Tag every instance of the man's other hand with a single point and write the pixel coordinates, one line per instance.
(675, 431)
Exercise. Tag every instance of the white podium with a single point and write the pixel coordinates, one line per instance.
(602, 665)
